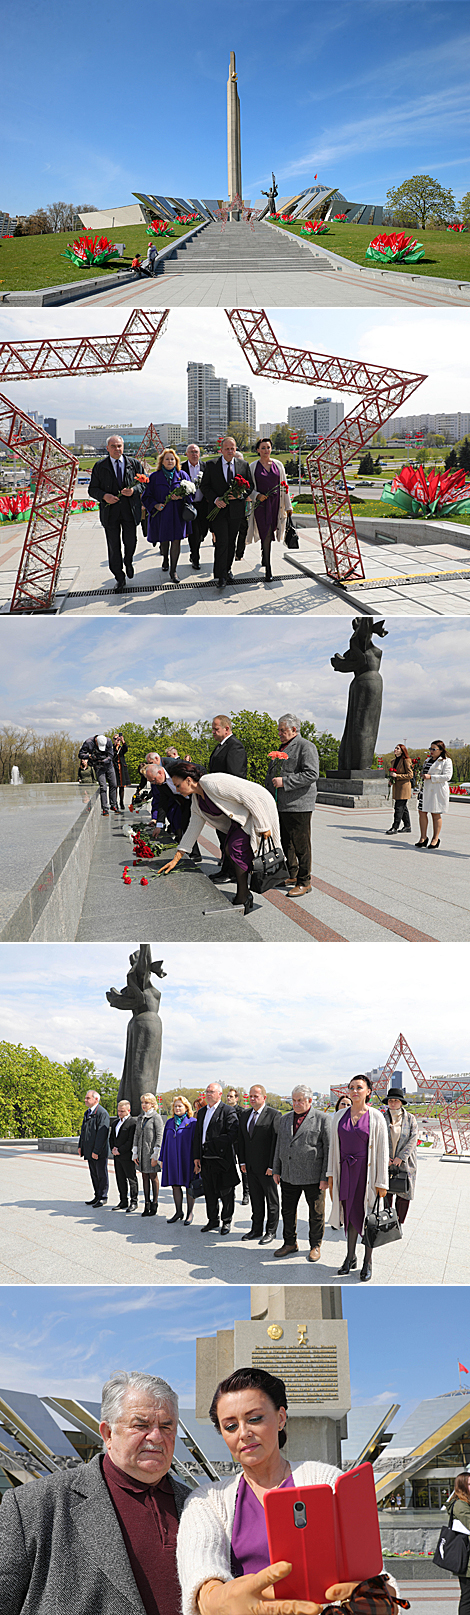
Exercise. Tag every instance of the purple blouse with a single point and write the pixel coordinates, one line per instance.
(249, 1550)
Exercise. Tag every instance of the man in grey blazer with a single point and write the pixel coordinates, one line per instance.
(300, 1166)
(102, 1536)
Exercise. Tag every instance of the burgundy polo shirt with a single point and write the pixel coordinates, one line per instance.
(148, 1520)
(298, 1121)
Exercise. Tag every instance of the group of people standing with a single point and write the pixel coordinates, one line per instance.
(433, 792)
(358, 1154)
(237, 501)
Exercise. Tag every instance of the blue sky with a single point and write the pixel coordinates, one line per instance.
(236, 1024)
(88, 676)
(433, 343)
(98, 102)
(71, 1339)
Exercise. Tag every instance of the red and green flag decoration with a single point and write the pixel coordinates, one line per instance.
(339, 218)
(314, 227)
(159, 227)
(457, 226)
(438, 494)
(89, 252)
(394, 249)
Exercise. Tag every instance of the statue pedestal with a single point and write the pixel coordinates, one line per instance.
(356, 787)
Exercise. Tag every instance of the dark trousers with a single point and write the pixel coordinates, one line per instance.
(126, 1175)
(212, 1178)
(225, 540)
(105, 774)
(99, 1176)
(296, 844)
(120, 529)
(401, 1205)
(464, 1605)
(401, 815)
(315, 1197)
(263, 1194)
(198, 532)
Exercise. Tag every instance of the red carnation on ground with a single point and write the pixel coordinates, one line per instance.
(144, 881)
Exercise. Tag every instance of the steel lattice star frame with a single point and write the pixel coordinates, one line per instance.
(382, 392)
(150, 440)
(54, 467)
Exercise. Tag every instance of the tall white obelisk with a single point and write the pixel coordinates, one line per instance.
(233, 136)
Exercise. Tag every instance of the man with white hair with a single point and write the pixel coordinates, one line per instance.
(98, 750)
(113, 484)
(294, 784)
(300, 1166)
(93, 1146)
(215, 1138)
(102, 1536)
(192, 468)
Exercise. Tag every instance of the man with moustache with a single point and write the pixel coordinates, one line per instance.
(102, 1536)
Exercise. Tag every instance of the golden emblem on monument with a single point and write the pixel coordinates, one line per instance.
(275, 1332)
(302, 1334)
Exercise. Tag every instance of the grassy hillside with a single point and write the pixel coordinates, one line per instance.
(27, 262)
(446, 253)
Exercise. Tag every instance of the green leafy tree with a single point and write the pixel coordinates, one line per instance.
(464, 456)
(420, 199)
(84, 1075)
(259, 735)
(451, 462)
(281, 436)
(465, 208)
(366, 466)
(241, 432)
(327, 745)
(37, 1097)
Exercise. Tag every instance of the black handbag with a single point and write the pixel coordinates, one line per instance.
(195, 1187)
(290, 536)
(189, 512)
(269, 867)
(399, 1181)
(381, 1227)
(452, 1549)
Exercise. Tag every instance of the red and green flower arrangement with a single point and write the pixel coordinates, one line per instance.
(394, 249)
(91, 252)
(435, 495)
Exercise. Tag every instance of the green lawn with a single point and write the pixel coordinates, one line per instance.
(373, 507)
(28, 262)
(447, 253)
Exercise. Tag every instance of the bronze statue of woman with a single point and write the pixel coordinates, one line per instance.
(144, 1032)
(365, 694)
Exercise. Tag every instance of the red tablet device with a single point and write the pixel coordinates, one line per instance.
(328, 1534)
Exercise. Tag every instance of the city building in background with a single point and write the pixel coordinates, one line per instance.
(241, 407)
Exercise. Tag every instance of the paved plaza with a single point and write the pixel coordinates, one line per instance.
(403, 580)
(49, 1235)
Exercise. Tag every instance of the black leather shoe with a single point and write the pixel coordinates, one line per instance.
(230, 578)
(129, 569)
(225, 1229)
(348, 1265)
(196, 857)
(251, 1235)
(165, 566)
(245, 1199)
(196, 565)
(221, 879)
(178, 1217)
(210, 1228)
(93, 1202)
(220, 583)
(146, 1211)
(132, 1207)
(188, 1220)
(120, 587)
(121, 1207)
(422, 843)
(366, 1272)
(267, 1239)
(247, 907)
(392, 832)
(98, 1204)
(405, 830)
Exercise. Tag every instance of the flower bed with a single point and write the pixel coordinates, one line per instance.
(91, 251)
(414, 494)
(314, 227)
(159, 227)
(394, 249)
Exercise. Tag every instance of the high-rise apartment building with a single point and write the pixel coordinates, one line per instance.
(242, 407)
(207, 404)
(455, 426)
(317, 419)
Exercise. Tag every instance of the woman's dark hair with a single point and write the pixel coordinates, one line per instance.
(440, 744)
(361, 1077)
(263, 440)
(244, 1379)
(462, 1486)
(179, 770)
(340, 1102)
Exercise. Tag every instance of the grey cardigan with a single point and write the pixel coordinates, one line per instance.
(147, 1141)
(61, 1547)
(300, 773)
(303, 1158)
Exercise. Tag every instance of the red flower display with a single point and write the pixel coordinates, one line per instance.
(457, 226)
(394, 248)
(417, 495)
(90, 251)
(13, 505)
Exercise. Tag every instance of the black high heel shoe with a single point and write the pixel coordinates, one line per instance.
(247, 907)
(350, 1262)
(173, 577)
(433, 845)
(188, 1220)
(422, 843)
(178, 1217)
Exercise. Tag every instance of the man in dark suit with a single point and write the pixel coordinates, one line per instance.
(258, 1132)
(121, 1139)
(228, 757)
(113, 484)
(232, 1099)
(93, 1146)
(215, 1141)
(192, 468)
(98, 751)
(101, 1536)
(216, 479)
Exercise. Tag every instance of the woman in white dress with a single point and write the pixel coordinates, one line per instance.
(436, 789)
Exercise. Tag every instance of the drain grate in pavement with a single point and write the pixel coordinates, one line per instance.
(173, 588)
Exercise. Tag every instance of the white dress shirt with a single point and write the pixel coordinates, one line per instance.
(226, 465)
(256, 1113)
(210, 1112)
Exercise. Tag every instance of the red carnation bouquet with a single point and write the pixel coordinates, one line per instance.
(238, 489)
(281, 756)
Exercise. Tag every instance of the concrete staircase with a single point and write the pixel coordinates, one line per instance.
(239, 249)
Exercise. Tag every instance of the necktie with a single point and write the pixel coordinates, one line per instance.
(118, 472)
(229, 474)
(251, 1123)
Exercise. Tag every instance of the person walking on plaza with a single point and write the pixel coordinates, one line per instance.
(177, 1156)
(120, 766)
(300, 1166)
(121, 1141)
(215, 1140)
(93, 1147)
(402, 1142)
(99, 1538)
(294, 787)
(436, 792)
(192, 469)
(459, 1502)
(146, 1150)
(267, 520)
(258, 1134)
(113, 484)
(401, 774)
(244, 811)
(357, 1169)
(218, 477)
(98, 751)
(165, 506)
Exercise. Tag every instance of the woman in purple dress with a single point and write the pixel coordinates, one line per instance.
(166, 525)
(222, 1547)
(176, 1156)
(357, 1168)
(272, 502)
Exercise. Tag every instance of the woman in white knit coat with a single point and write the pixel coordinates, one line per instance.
(245, 812)
(268, 520)
(357, 1168)
(436, 789)
(222, 1547)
